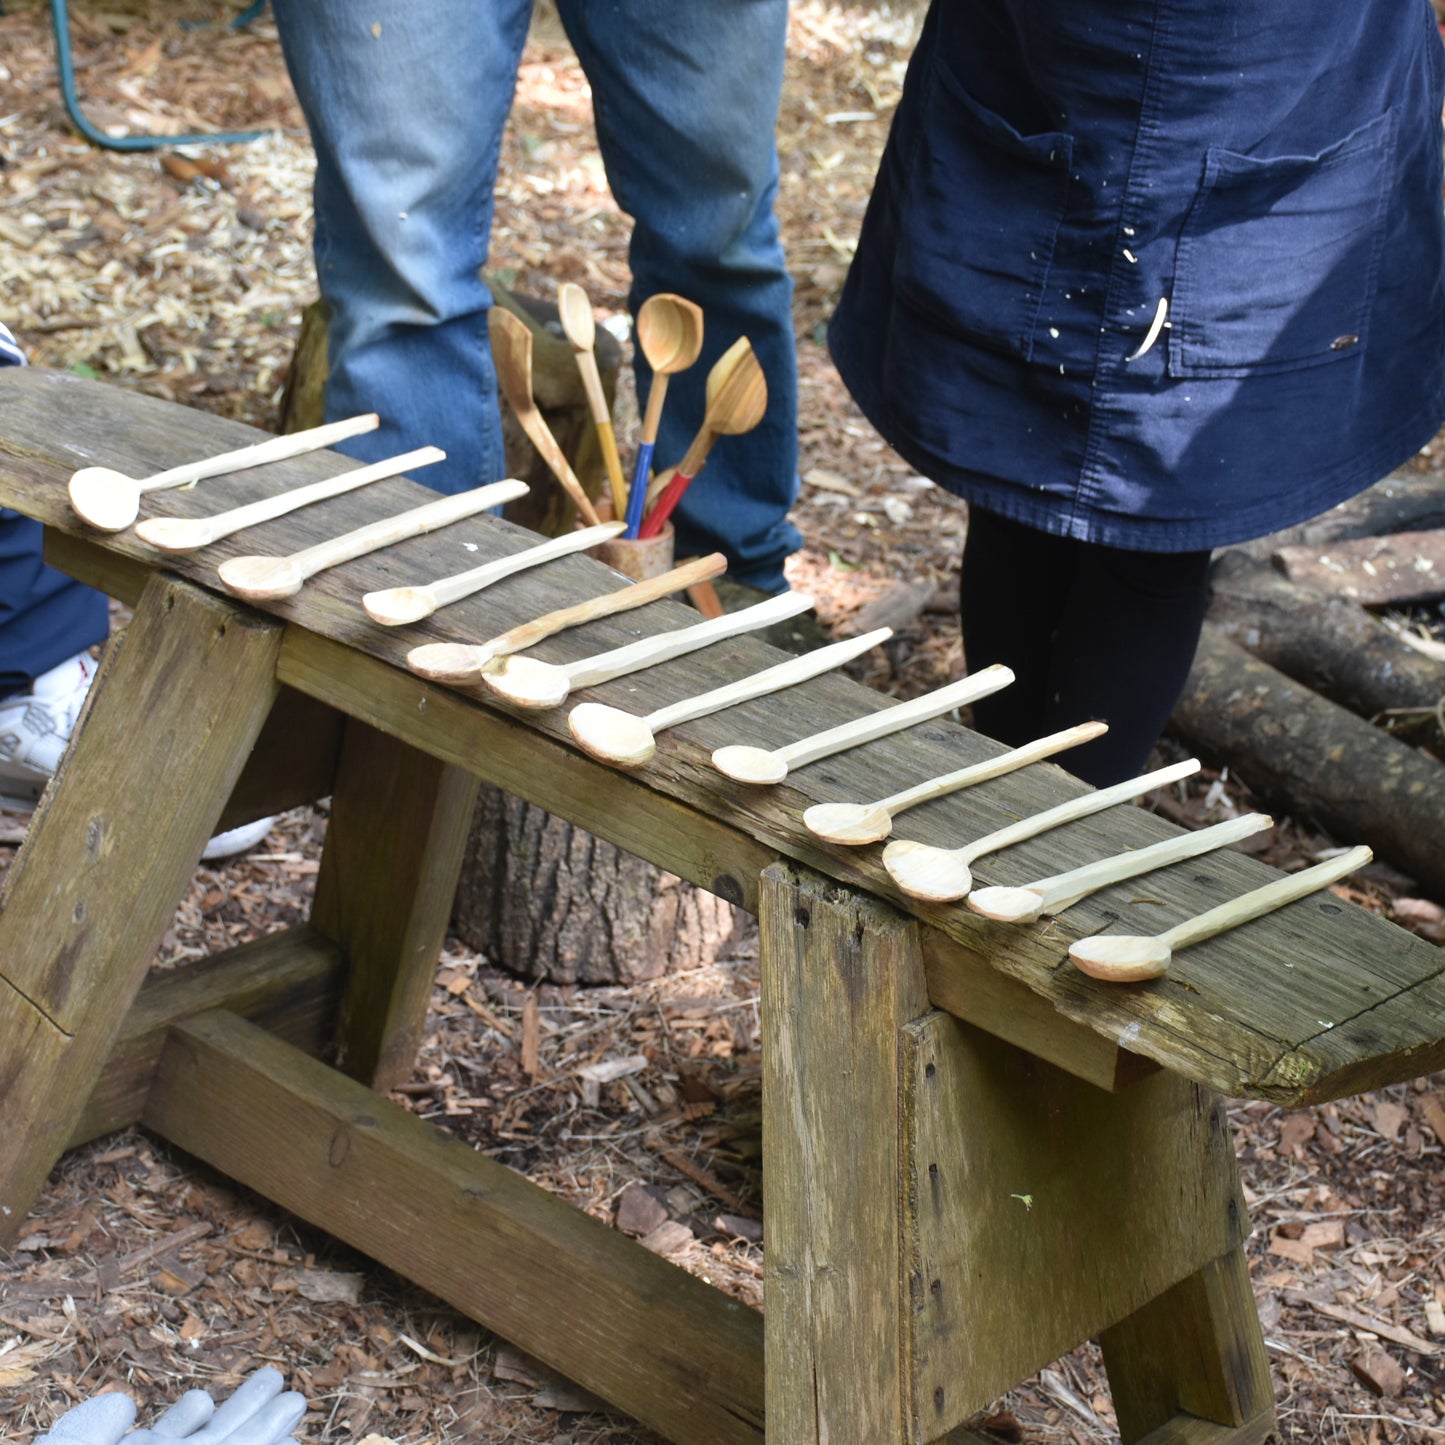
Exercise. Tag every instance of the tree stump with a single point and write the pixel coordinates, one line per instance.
(538, 896)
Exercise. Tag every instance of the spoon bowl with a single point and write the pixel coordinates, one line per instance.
(529, 683)
(749, 764)
(851, 824)
(1007, 904)
(669, 334)
(611, 735)
(262, 579)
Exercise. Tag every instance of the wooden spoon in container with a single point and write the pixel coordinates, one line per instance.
(529, 683)
(265, 579)
(1131, 958)
(855, 823)
(669, 331)
(110, 501)
(186, 534)
(941, 875)
(394, 606)
(1026, 902)
(622, 738)
(581, 330)
(458, 662)
(512, 355)
(758, 765)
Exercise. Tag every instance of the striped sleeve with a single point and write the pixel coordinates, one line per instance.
(10, 352)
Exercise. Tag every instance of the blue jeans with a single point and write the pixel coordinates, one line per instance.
(407, 125)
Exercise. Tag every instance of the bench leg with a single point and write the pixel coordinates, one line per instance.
(180, 698)
(1190, 1368)
(841, 975)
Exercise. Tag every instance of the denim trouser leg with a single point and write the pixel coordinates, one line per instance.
(407, 126)
(686, 100)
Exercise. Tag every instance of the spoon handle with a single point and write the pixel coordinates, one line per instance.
(211, 529)
(893, 719)
(1008, 762)
(464, 584)
(1076, 808)
(1260, 901)
(426, 518)
(540, 435)
(464, 669)
(602, 421)
(277, 449)
(770, 679)
(1063, 890)
(671, 494)
(647, 651)
(637, 496)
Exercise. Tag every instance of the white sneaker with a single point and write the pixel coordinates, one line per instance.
(35, 729)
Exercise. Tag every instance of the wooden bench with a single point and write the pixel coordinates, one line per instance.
(974, 1156)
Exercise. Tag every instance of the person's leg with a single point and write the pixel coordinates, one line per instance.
(686, 101)
(407, 107)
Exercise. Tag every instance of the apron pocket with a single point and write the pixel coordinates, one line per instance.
(1276, 267)
(978, 223)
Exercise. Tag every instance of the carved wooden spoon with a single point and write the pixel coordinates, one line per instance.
(942, 875)
(110, 500)
(669, 331)
(1026, 902)
(759, 765)
(623, 738)
(264, 579)
(580, 329)
(1130, 958)
(186, 534)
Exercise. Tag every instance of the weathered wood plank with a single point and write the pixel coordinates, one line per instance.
(1188, 1430)
(641, 1333)
(841, 976)
(394, 846)
(287, 982)
(1038, 1210)
(1196, 1350)
(113, 847)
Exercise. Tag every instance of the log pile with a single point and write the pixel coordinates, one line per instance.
(1310, 698)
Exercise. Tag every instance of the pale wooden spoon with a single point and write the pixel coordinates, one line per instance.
(1131, 958)
(855, 823)
(942, 875)
(759, 765)
(394, 606)
(110, 500)
(580, 329)
(264, 579)
(620, 737)
(458, 662)
(1026, 902)
(512, 354)
(186, 534)
(669, 331)
(529, 683)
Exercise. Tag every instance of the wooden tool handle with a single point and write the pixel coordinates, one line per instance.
(1078, 808)
(237, 519)
(624, 599)
(1260, 901)
(662, 509)
(891, 720)
(426, 518)
(277, 449)
(771, 679)
(652, 415)
(1007, 762)
(648, 651)
(540, 435)
(1065, 889)
(464, 584)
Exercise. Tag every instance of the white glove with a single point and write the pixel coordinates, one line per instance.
(257, 1414)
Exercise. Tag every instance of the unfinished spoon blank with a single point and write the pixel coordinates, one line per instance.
(760, 765)
(855, 823)
(1132, 958)
(266, 579)
(110, 501)
(941, 875)
(1024, 903)
(460, 662)
(186, 534)
(394, 606)
(528, 682)
(614, 736)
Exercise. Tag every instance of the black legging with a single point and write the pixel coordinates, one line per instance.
(1091, 632)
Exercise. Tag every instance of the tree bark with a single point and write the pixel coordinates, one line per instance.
(1315, 758)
